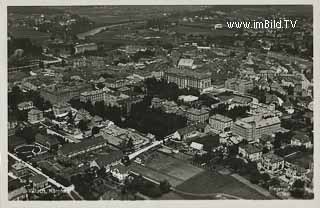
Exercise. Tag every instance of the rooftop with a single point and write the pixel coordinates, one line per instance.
(38, 178)
(221, 118)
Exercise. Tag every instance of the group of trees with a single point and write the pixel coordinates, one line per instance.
(28, 133)
(234, 113)
(16, 96)
(153, 121)
(170, 91)
(139, 184)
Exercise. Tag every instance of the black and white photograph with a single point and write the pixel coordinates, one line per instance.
(160, 102)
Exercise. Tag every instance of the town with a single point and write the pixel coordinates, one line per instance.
(159, 103)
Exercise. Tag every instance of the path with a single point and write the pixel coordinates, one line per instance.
(253, 186)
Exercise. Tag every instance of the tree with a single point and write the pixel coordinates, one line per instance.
(83, 125)
(165, 186)
(29, 134)
(130, 144)
(95, 130)
(297, 189)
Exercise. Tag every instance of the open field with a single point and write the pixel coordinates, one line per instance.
(163, 167)
(210, 182)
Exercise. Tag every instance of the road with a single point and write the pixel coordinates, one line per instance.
(253, 186)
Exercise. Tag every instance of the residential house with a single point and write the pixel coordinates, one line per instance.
(271, 163)
(250, 152)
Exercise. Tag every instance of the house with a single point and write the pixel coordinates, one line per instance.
(120, 172)
(271, 163)
(188, 132)
(267, 141)
(35, 116)
(48, 141)
(18, 194)
(220, 122)
(97, 120)
(197, 115)
(301, 140)
(25, 105)
(250, 152)
(196, 146)
(19, 169)
(107, 161)
(295, 172)
(38, 181)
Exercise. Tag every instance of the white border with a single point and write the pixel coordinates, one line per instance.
(173, 203)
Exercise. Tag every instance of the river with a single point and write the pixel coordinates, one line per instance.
(97, 30)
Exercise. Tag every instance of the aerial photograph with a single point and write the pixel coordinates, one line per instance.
(160, 102)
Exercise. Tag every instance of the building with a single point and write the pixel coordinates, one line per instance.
(185, 63)
(19, 169)
(35, 116)
(48, 141)
(250, 152)
(295, 172)
(115, 83)
(18, 194)
(220, 123)
(188, 132)
(197, 115)
(93, 96)
(38, 181)
(120, 172)
(60, 109)
(188, 79)
(240, 85)
(301, 140)
(25, 105)
(252, 128)
(271, 163)
(81, 48)
(63, 92)
(156, 102)
(87, 145)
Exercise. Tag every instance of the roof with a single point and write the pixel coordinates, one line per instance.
(19, 166)
(272, 157)
(47, 138)
(192, 128)
(251, 149)
(121, 168)
(34, 111)
(189, 73)
(197, 111)
(185, 62)
(38, 178)
(221, 118)
(105, 160)
(301, 137)
(196, 146)
(83, 145)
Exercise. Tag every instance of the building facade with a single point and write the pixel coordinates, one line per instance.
(220, 122)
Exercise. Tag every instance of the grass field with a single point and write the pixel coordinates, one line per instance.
(164, 167)
(210, 182)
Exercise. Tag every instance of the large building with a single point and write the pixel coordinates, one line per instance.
(188, 79)
(93, 96)
(63, 93)
(197, 115)
(87, 145)
(252, 128)
(220, 122)
(35, 116)
(85, 47)
(240, 85)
